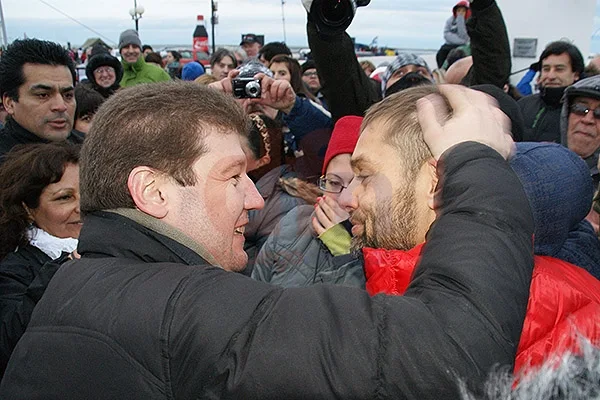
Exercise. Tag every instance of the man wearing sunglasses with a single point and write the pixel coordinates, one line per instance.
(580, 122)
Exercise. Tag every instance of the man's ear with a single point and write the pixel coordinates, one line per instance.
(264, 160)
(431, 171)
(576, 76)
(147, 188)
(9, 104)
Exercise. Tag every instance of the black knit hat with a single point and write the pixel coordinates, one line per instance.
(310, 64)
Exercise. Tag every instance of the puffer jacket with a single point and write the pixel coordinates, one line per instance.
(24, 276)
(564, 301)
(294, 257)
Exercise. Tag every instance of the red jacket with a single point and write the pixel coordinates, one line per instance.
(564, 300)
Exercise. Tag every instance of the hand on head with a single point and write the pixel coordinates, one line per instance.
(475, 117)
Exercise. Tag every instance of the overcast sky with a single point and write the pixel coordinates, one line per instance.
(396, 23)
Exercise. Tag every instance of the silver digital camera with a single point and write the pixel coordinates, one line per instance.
(246, 88)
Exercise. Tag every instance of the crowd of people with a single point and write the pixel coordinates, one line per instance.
(347, 230)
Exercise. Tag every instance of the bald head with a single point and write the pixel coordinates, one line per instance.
(458, 70)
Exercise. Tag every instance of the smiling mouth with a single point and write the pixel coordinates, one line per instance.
(240, 230)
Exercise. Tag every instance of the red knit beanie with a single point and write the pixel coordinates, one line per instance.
(343, 138)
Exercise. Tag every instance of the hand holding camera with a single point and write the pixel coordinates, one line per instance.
(259, 88)
(277, 94)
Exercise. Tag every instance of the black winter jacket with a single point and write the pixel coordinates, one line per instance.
(13, 134)
(542, 117)
(24, 276)
(141, 316)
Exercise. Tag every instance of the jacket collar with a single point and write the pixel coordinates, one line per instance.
(20, 134)
(389, 271)
(136, 66)
(110, 234)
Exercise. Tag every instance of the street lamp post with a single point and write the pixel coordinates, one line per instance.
(136, 14)
(214, 19)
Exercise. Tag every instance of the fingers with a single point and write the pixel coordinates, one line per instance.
(428, 114)
(329, 212)
(319, 229)
(322, 217)
(462, 99)
(475, 117)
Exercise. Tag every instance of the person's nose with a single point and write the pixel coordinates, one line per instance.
(59, 104)
(253, 199)
(589, 118)
(348, 197)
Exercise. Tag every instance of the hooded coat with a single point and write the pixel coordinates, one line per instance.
(455, 30)
(101, 57)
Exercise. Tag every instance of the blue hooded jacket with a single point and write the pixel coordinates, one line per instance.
(560, 190)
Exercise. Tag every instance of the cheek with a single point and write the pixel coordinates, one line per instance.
(53, 216)
(227, 204)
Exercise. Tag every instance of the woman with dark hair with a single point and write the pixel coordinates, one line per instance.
(173, 64)
(288, 68)
(221, 63)
(154, 58)
(88, 102)
(39, 227)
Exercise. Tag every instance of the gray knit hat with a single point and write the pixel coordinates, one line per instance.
(128, 37)
(402, 60)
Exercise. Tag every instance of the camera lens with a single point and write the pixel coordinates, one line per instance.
(253, 89)
(337, 13)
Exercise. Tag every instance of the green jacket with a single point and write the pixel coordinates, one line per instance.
(140, 72)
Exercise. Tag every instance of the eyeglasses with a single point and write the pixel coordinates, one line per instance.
(104, 70)
(331, 185)
(583, 110)
(310, 73)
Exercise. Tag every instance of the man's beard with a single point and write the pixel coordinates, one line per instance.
(392, 225)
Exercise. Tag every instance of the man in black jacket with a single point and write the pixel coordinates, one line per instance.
(561, 65)
(37, 82)
(152, 309)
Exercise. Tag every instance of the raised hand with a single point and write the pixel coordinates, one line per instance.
(475, 117)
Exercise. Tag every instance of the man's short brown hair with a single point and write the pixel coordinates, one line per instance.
(397, 116)
(161, 126)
